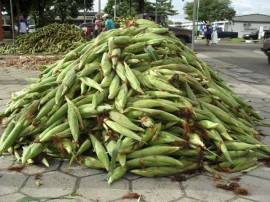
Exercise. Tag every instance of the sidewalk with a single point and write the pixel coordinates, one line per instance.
(38, 183)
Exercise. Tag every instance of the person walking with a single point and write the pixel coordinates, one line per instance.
(97, 25)
(208, 34)
(109, 24)
(23, 25)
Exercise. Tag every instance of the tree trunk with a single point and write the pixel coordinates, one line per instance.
(41, 21)
(140, 8)
(17, 14)
(1, 28)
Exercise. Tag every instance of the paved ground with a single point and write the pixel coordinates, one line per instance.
(38, 183)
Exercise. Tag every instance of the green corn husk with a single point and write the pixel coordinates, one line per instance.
(134, 97)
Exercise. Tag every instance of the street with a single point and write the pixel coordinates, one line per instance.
(245, 55)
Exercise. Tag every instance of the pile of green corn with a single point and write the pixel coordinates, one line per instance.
(133, 99)
(51, 39)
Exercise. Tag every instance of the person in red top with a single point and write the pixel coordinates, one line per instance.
(88, 32)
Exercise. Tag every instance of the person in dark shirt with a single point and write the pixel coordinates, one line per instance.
(208, 34)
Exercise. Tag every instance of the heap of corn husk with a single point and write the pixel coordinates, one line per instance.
(29, 62)
(133, 99)
(51, 39)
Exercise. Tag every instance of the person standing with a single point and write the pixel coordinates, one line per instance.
(208, 34)
(109, 24)
(23, 25)
(97, 25)
(214, 36)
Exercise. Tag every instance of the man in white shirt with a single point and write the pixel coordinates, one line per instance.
(97, 25)
(23, 25)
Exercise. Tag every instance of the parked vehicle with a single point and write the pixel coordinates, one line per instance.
(266, 34)
(225, 34)
(266, 45)
(8, 32)
(32, 28)
(185, 35)
(87, 24)
(252, 36)
(88, 28)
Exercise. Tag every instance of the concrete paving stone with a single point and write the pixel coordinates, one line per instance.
(251, 91)
(203, 187)
(228, 78)
(53, 184)
(262, 107)
(11, 182)
(264, 95)
(11, 197)
(2, 88)
(131, 176)
(5, 96)
(263, 88)
(240, 200)
(265, 139)
(265, 115)
(262, 172)
(157, 189)
(70, 199)
(187, 199)
(5, 162)
(231, 66)
(129, 200)
(4, 99)
(96, 188)
(2, 109)
(257, 100)
(241, 70)
(258, 188)
(256, 76)
(78, 170)
(226, 72)
(40, 168)
(11, 81)
(15, 88)
(267, 82)
(248, 80)
(264, 130)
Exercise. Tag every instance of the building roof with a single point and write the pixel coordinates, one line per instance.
(252, 18)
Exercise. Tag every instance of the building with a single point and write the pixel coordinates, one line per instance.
(246, 24)
(87, 17)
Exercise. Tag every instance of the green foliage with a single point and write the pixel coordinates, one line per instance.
(165, 8)
(211, 10)
(123, 9)
(43, 12)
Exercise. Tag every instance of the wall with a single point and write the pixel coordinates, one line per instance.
(247, 28)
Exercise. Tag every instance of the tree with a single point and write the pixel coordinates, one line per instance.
(123, 9)
(45, 11)
(211, 10)
(165, 8)
(140, 8)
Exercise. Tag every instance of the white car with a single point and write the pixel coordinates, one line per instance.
(31, 28)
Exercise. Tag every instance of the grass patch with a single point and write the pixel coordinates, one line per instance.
(234, 40)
